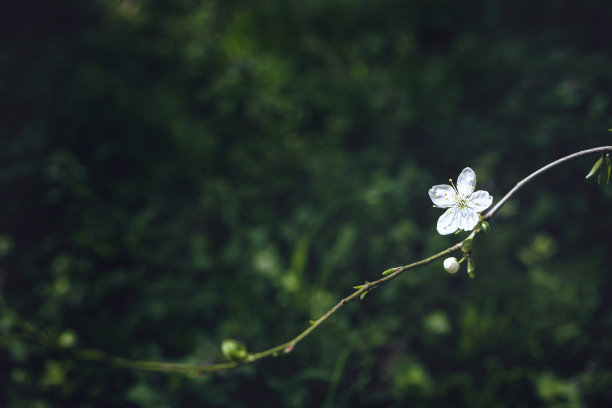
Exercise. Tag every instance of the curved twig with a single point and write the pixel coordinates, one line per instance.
(287, 347)
(490, 213)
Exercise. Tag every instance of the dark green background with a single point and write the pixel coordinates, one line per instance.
(174, 173)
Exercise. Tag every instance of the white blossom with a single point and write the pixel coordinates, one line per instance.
(462, 202)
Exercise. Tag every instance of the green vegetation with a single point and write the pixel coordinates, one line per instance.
(177, 173)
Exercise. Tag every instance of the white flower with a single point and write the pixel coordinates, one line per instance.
(462, 202)
(451, 265)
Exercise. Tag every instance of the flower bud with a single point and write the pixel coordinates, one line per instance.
(485, 226)
(234, 350)
(451, 265)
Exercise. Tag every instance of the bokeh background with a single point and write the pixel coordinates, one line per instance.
(174, 173)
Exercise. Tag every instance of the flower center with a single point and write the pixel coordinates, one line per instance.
(460, 202)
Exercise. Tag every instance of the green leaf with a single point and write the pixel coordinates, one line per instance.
(388, 271)
(363, 295)
(471, 268)
(595, 169)
(466, 245)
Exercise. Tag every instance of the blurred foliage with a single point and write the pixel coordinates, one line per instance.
(175, 173)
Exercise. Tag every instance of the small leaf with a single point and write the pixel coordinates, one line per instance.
(388, 271)
(363, 295)
(471, 268)
(312, 321)
(466, 245)
(595, 169)
(608, 168)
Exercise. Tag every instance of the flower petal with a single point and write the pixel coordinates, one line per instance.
(448, 222)
(480, 201)
(468, 219)
(442, 195)
(466, 182)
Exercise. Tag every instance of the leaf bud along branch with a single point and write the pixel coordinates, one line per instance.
(601, 169)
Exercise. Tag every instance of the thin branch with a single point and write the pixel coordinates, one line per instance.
(490, 213)
(287, 347)
(284, 348)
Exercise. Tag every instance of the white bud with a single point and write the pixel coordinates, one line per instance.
(451, 265)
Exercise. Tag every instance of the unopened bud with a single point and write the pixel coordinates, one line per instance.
(451, 265)
(485, 226)
(233, 350)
